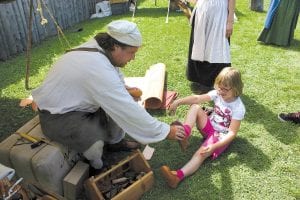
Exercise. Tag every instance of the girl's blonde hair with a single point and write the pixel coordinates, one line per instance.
(230, 77)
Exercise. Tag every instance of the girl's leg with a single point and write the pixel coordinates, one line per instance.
(198, 158)
(173, 178)
(196, 115)
(194, 163)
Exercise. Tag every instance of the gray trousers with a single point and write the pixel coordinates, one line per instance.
(81, 131)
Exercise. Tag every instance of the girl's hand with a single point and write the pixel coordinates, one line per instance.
(172, 108)
(206, 151)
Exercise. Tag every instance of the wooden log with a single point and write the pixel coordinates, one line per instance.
(64, 18)
(86, 9)
(6, 1)
(92, 4)
(22, 24)
(35, 24)
(56, 12)
(8, 22)
(69, 13)
(41, 30)
(25, 7)
(64, 15)
(27, 14)
(29, 43)
(51, 27)
(52, 15)
(4, 54)
(81, 11)
(74, 12)
(18, 28)
(78, 8)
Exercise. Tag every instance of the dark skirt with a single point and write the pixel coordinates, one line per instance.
(281, 31)
(202, 72)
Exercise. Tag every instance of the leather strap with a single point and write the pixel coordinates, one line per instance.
(85, 49)
(89, 49)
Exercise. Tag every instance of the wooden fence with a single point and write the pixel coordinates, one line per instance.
(14, 18)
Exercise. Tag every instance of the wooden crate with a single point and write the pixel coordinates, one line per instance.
(137, 163)
(73, 182)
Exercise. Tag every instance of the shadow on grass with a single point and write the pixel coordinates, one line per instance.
(202, 184)
(294, 46)
(156, 12)
(240, 153)
(239, 14)
(246, 154)
(258, 113)
(12, 116)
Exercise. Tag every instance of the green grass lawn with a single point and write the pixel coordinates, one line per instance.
(262, 163)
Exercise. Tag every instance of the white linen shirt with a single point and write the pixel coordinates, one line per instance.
(85, 81)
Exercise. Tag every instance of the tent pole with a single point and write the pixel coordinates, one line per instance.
(167, 18)
(28, 51)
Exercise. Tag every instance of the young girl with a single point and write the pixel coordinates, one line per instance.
(218, 129)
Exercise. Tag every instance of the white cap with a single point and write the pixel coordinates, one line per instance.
(125, 32)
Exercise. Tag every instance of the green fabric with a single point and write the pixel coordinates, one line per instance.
(283, 25)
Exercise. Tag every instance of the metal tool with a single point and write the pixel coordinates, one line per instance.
(12, 190)
(35, 141)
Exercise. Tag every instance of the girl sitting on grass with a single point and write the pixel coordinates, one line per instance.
(218, 129)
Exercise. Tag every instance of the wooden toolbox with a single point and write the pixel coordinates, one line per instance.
(134, 172)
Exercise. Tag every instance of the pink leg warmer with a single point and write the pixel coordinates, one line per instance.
(187, 130)
(180, 174)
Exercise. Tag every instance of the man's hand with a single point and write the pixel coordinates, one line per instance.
(176, 132)
(135, 92)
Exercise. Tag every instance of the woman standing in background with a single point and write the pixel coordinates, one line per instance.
(280, 22)
(209, 51)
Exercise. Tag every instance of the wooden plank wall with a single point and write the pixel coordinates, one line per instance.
(14, 18)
